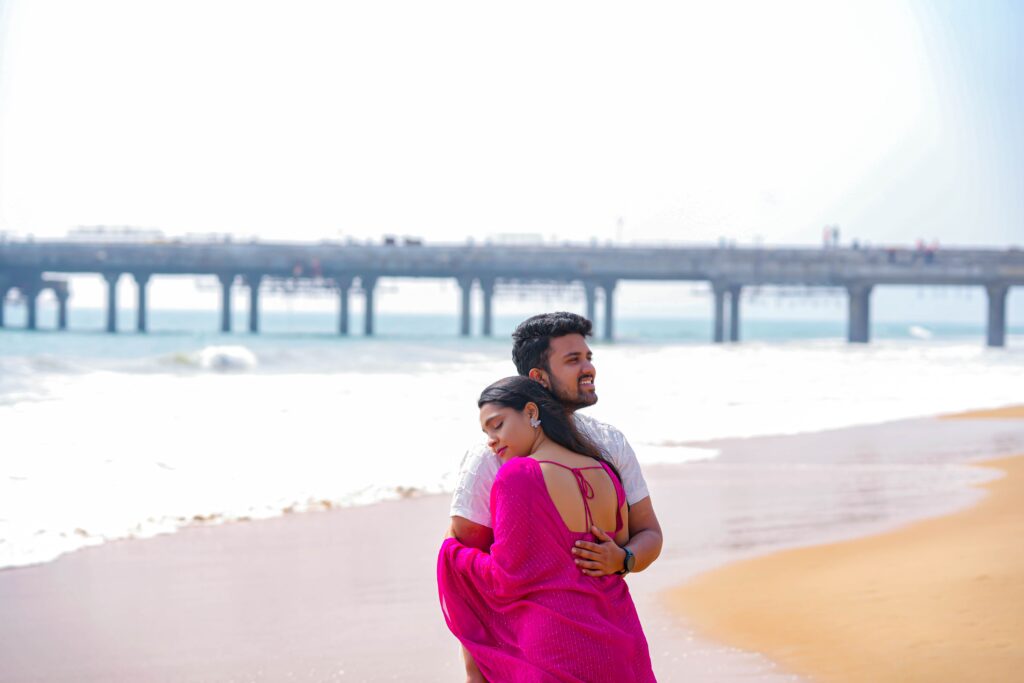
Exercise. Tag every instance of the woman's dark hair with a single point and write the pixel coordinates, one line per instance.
(515, 392)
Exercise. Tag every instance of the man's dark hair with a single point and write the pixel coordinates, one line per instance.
(531, 342)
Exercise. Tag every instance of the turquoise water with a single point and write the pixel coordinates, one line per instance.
(176, 331)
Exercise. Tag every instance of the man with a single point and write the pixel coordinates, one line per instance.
(551, 349)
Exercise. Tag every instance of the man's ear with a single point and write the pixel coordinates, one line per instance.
(538, 375)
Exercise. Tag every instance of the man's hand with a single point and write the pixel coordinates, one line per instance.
(599, 559)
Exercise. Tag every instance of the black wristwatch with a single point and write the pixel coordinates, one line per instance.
(628, 563)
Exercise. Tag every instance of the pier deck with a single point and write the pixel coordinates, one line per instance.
(30, 266)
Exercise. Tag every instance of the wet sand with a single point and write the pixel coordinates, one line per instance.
(350, 595)
(937, 600)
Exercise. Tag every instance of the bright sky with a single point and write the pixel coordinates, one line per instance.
(305, 120)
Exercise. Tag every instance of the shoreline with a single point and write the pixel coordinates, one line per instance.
(203, 520)
(349, 593)
(936, 599)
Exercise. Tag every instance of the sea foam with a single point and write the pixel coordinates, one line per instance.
(104, 449)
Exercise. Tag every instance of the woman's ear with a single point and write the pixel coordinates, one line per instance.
(531, 410)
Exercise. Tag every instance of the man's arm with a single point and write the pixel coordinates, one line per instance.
(644, 534)
(606, 557)
(472, 534)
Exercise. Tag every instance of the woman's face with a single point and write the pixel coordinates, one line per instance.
(508, 430)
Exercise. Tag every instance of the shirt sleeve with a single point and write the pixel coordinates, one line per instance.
(620, 453)
(472, 497)
(629, 469)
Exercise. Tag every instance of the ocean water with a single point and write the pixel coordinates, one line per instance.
(113, 436)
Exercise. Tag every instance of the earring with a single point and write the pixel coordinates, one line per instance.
(535, 422)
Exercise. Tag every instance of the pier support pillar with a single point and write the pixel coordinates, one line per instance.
(226, 280)
(253, 282)
(590, 291)
(141, 314)
(465, 292)
(368, 284)
(997, 313)
(609, 309)
(487, 288)
(61, 291)
(719, 290)
(734, 313)
(3, 299)
(31, 295)
(111, 279)
(343, 284)
(859, 327)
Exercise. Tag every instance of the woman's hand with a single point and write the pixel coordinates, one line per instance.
(599, 559)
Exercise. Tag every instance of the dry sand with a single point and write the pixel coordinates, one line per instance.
(939, 600)
(1004, 413)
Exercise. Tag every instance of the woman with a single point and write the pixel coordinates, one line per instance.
(525, 612)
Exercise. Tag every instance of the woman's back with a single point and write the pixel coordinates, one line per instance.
(584, 493)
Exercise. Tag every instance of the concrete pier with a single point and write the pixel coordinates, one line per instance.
(141, 284)
(61, 292)
(369, 284)
(997, 313)
(111, 279)
(726, 318)
(718, 291)
(253, 281)
(590, 292)
(734, 313)
(609, 309)
(226, 280)
(291, 267)
(344, 284)
(859, 326)
(31, 294)
(487, 289)
(30, 291)
(465, 292)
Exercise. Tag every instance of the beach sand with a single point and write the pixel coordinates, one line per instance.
(350, 594)
(938, 600)
(1004, 413)
(338, 595)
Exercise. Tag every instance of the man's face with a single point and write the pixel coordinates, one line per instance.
(570, 375)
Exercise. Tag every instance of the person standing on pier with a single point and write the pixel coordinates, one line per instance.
(552, 350)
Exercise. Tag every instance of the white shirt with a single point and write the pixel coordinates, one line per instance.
(472, 498)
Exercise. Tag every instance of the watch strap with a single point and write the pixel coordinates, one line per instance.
(628, 562)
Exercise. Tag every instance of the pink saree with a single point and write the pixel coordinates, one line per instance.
(524, 611)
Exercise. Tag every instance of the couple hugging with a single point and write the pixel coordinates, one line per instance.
(547, 519)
